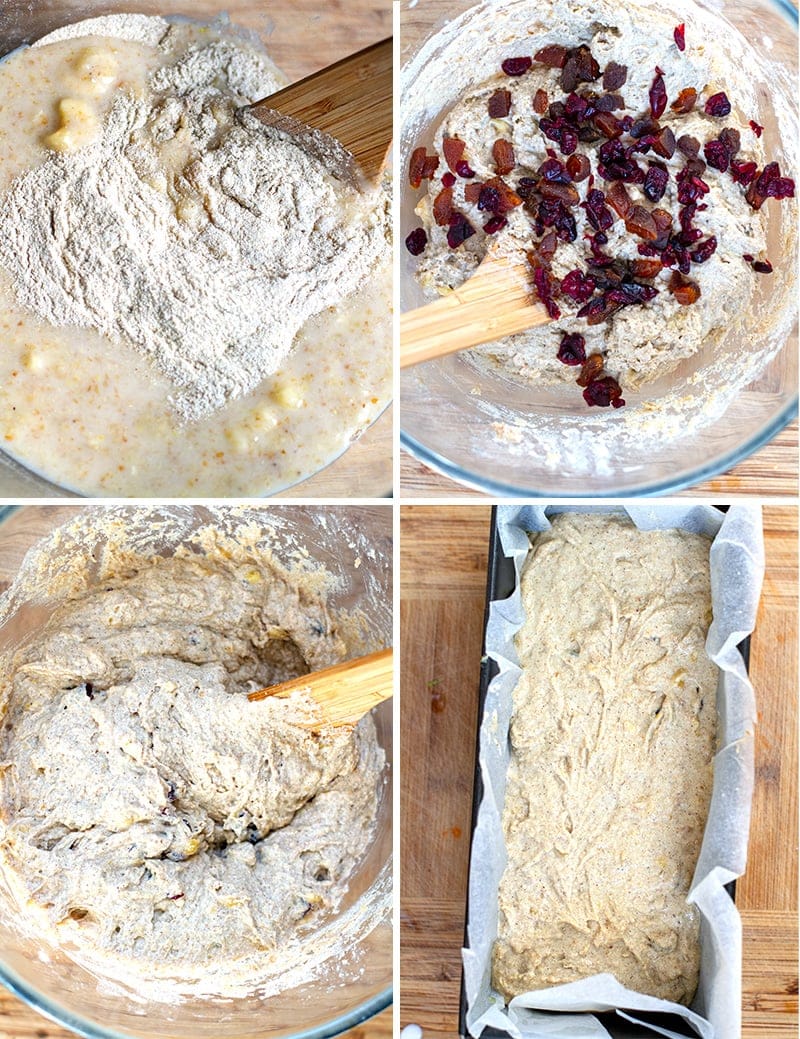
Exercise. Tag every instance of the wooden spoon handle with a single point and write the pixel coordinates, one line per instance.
(345, 692)
(351, 101)
(495, 302)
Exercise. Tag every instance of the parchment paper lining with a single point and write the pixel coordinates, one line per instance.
(737, 571)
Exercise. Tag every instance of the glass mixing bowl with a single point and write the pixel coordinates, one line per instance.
(496, 435)
(287, 28)
(349, 989)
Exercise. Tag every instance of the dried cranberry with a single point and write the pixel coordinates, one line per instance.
(569, 142)
(718, 104)
(544, 290)
(717, 155)
(614, 76)
(448, 180)
(463, 169)
(630, 292)
(655, 183)
(553, 170)
(516, 66)
(499, 104)
(769, 184)
(576, 105)
(597, 213)
(540, 102)
(679, 34)
(578, 286)
(416, 241)
(754, 126)
(578, 167)
(762, 266)
(616, 164)
(658, 95)
(690, 187)
(495, 224)
(572, 350)
(705, 251)
(489, 199)
(685, 101)
(553, 56)
(526, 186)
(459, 231)
(600, 393)
(594, 312)
(743, 172)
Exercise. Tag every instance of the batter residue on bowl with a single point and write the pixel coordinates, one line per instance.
(189, 302)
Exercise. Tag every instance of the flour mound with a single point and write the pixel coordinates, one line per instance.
(204, 242)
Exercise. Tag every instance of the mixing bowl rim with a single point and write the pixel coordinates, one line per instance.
(475, 482)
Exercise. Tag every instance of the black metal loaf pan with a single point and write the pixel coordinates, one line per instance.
(499, 585)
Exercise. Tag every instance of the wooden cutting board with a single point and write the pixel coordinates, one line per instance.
(443, 578)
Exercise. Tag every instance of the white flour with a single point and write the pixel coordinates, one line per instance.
(205, 244)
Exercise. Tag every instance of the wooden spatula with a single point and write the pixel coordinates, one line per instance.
(343, 693)
(496, 301)
(350, 102)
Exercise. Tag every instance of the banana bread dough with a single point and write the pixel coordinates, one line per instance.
(613, 735)
(153, 819)
(639, 343)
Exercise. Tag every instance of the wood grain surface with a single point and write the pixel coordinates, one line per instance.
(770, 471)
(443, 574)
(17, 1019)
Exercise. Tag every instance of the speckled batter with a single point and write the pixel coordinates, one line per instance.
(641, 342)
(152, 817)
(613, 734)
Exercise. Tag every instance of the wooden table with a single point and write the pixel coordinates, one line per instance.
(443, 575)
(770, 471)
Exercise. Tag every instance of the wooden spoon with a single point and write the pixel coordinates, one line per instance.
(496, 301)
(348, 104)
(343, 693)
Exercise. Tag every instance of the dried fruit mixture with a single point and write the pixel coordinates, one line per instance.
(626, 175)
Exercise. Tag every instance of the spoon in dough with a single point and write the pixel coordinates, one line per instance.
(497, 301)
(342, 114)
(344, 693)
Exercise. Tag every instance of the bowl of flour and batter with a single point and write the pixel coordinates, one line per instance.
(697, 353)
(172, 857)
(189, 305)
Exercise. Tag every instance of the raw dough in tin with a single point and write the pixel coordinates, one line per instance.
(152, 817)
(613, 734)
